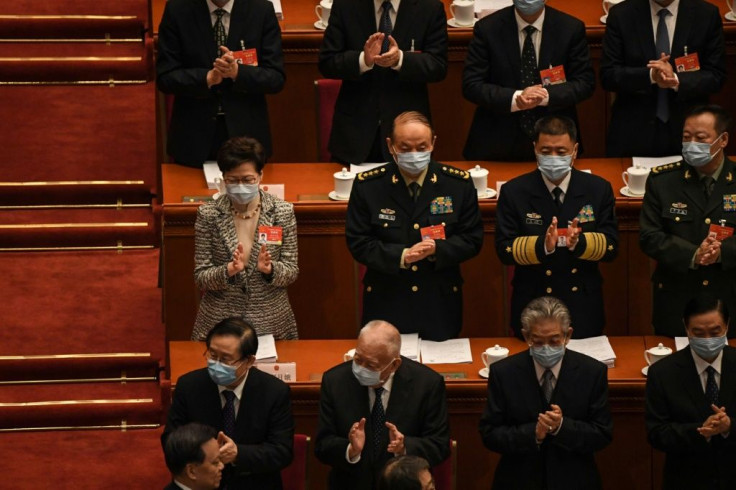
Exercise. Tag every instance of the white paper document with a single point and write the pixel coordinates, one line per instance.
(266, 349)
(596, 347)
(211, 172)
(681, 343)
(364, 167)
(491, 5)
(410, 343)
(453, 351)
(651, 162)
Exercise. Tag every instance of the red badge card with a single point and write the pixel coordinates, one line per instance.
(562, 237)
(246, 57)
(722, 232)
(435, 232)
(553, 76)
(689, 62)
(269, 235)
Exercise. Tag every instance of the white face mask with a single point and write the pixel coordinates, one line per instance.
(413, 162)
(242, 193)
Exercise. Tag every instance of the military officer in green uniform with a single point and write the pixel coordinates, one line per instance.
(687, 219)
(411, 223)
(555, 224)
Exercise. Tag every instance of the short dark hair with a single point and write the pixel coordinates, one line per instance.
(555, 126)
(724, 121)
(402, 473)
(704, 303)
(239, 150)
(410, 117)
(239, 328)
(184, 446)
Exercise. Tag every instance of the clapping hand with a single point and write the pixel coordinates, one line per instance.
(238, 262)
(264, 260)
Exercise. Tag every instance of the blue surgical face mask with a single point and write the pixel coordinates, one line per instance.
(707, 348)
(554, 167)
(698, 154)
(367, 377)
(528, 7)
(547, 355)
(413, 162)
(242, 193)
(222, 374)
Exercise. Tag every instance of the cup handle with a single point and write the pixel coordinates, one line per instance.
(484, 356)
(730, 5)
(452, 10)
(624, 177)
(646, 358)
(605, 10)
(318, 11)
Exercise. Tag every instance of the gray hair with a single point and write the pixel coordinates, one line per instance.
(545, 308)
(390, 335)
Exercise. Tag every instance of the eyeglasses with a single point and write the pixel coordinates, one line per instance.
(554, 342)
(212, 356)
(240, 180)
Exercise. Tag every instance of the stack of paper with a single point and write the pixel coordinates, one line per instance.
(410, 343)
(681, 342)
(596, 347)
(454, 351)
(266, 349)
(211, 172)
(490, 6)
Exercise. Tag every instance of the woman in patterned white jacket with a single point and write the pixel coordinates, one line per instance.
(238, 273)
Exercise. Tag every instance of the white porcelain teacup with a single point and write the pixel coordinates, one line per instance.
(323, 11)
(656, 354)
(635, 179)
(343, 183)
(480, 179)
(463, 11)
(494, 354)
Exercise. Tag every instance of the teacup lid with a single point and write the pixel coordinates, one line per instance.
(638, 170)
(326, 3)
(478, 171)
(344, 174)
(497, 350)
(660, 350)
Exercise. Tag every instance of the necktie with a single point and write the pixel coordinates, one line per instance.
(548, 384)
(708, 184)
(378, 423)
(414, 189)
(557, 193)
(385, 24)
(220, 36)
(711, 388)
(662, 44)
(228, 413)
(529, 77)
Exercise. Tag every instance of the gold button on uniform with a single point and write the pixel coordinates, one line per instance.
(677, 218)
(659, 285)
(385, 225)
(705, 283)
(416, 226)
(414, 268)
(548, 272)
(574, 271)
(369, 289)
(707, 221)
(443, 223)
(454, 289)
(414, 288)
(549, 290)
(574, 289)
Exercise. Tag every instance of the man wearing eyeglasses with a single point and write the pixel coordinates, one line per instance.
(250, 409)
(547, 410)
(377, 407)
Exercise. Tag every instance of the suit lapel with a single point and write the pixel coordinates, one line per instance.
(682, 29)
(431, 181)
(728, 378)
(529, 378)
(574, 199)
(404, 19)
(400, 393)
(691, 384)
(643, 21)
(226, 225)
(202, 19)
(541, 200)
(399, 192)
(545, 49)
(510, 31)
(365, 16)
(238, 19)
(693, 189)
(568, 375)
(724, 185)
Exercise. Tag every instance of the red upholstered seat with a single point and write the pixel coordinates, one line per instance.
(294, 476)
(445, 473)
(326, 91)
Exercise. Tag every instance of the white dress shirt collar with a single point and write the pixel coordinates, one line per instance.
(378, 4)
(521, 23)
(563, 185)
(701, 364)
(540, 369)
(228, 7)
(238, 390)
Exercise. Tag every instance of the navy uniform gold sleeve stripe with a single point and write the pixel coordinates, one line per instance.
(595, 248)
(523, 250)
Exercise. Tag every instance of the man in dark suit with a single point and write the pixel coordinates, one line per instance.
(193, 458)
(385, 53)
(690, 397)
(534, 208)
(641, 49)
(505, 81)
(250, 408)
(412, 223)
(686, 208)
(379, 406)
(218, 58)
(547, 409)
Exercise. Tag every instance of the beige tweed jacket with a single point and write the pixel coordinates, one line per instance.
(249, 294)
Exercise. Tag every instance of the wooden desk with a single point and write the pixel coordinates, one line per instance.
(331, 310)
(626, 463)
(452, 114)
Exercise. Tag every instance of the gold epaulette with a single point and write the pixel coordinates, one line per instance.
(668, 167)
(455, 172)
(371, 174)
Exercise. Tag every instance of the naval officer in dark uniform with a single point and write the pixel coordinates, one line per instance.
(532, 211)
(688, 208)
(411, 223)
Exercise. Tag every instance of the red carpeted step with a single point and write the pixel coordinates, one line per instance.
(82, 405)
(83, 460)
(139, 9)
(111, 366)
(71, 27)
(115, 194)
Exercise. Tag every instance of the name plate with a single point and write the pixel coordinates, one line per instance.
(285, 371)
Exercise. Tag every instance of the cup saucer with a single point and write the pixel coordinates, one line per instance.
(453, 23)
(320, 25)
(488, 194)
(483, 373)
(730, 16)
(645, 370)
(333, 195)
(603, 19)
(627, 192)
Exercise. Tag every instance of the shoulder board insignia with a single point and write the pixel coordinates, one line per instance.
(371, 174)
(455, 172)
(668, 167)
